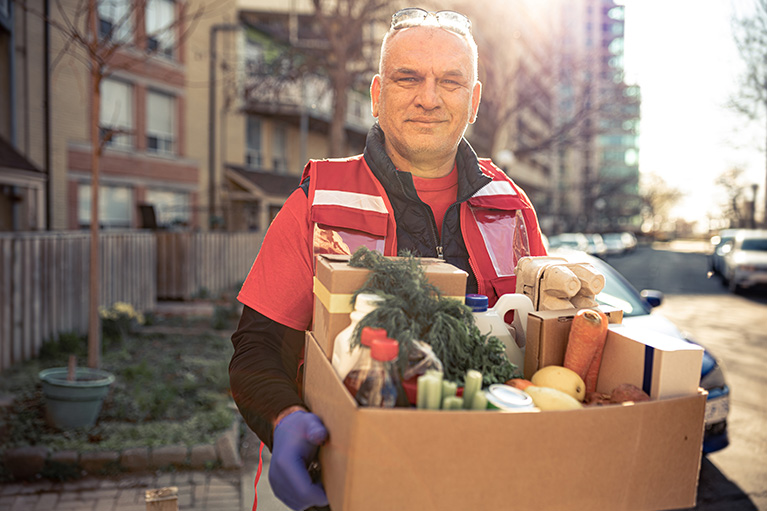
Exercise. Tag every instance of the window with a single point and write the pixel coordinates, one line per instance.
(171, 208)
(253, 151)
(115, 20)
(280, 149)
(160, 28)
(116, 115)
(160, 113)
(115, 206)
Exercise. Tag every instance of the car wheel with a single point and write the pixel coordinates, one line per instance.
(733, 286)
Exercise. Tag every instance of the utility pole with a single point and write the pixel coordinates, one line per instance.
(212, 192)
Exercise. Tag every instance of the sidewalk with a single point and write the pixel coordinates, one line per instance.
(222, 490)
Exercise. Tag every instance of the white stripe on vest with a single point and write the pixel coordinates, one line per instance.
(496, 188)
(349, 200)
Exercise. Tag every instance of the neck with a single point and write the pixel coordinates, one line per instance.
(427, 168)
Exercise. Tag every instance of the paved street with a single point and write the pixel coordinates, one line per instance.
(734, 329)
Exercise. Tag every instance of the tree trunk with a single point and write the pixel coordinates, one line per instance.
(337, 135)
(94, 322)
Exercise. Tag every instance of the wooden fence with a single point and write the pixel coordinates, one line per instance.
(44, 278)
(191, 264)
(44, 284)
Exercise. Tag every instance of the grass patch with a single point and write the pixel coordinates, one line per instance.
(169, 389)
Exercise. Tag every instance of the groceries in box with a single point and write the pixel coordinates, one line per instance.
(456, 455)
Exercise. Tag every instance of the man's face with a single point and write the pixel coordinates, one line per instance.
(425, 96)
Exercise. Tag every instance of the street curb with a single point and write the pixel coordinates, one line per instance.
(39, 462)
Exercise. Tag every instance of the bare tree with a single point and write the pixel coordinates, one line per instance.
(750, 34)
(733, 208)
(103, 48)
(334, 44)
(658, 198)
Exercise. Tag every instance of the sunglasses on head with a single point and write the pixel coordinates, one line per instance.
(415, 16)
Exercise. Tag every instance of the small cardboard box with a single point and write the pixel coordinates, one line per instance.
(661, 365)
(547, 333)
(335, 283)
(642, 456)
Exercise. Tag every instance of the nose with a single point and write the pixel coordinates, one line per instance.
(428, 95)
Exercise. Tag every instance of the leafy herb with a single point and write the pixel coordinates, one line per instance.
(414, 309)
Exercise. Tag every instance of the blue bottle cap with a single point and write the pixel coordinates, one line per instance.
(478, 303)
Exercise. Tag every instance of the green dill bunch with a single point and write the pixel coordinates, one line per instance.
(414, 309)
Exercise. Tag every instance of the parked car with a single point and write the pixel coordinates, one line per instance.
(614, 243)
(597, 246)
(637, 311)
(720, 245)
(745, 264)
(571, 240)
(629, 240)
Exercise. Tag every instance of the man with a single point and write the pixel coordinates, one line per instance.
(418, 186)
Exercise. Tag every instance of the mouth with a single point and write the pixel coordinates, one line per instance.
(425, 121)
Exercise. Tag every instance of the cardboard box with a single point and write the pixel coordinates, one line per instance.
(547, 333)
(661, 365)
(643, 456)
(335, 283)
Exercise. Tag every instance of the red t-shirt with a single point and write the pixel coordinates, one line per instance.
(438, 193)
(280, 282)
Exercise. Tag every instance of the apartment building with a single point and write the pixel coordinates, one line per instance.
(598, 172)
(281, 110)
(23, 163)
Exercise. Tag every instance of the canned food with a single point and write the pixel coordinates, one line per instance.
(507, 398)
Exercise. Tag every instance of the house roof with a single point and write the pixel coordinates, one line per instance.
(12, 159)
(269, 183)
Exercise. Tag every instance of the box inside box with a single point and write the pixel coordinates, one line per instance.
(335, 283)
(661, 365)
(642, 456)
(547, 333)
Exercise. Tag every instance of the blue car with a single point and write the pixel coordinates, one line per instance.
(637, 307)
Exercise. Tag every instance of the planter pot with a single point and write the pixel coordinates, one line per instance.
(74, 404)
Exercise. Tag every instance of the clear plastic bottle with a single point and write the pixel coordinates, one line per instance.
(359, 371)
(344, 356)
(382, 386)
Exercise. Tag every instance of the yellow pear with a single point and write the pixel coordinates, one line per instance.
(546, 398)
(560, 378)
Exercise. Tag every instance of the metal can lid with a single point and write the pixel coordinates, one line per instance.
(506, 397)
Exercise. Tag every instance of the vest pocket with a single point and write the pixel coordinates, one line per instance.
(335, 240)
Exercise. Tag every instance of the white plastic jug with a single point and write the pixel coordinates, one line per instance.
(490, 321)
(344, 356)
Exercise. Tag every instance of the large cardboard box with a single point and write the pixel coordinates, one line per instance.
(335, 283)
(642, 456)
(547, 333)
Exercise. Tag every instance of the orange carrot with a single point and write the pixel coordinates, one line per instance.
(586, 333)
(519, 383)
(596, 362)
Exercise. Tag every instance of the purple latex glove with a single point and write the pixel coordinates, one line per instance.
(296, 440)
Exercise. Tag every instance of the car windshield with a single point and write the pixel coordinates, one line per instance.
(619, 293)
(755, 244)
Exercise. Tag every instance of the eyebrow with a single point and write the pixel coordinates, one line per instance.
(454, 73)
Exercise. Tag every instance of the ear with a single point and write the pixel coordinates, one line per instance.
(476, 94)
(375, 94)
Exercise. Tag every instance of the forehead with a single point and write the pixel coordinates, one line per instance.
(427, 47)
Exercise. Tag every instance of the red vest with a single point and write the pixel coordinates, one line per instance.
(350, 208)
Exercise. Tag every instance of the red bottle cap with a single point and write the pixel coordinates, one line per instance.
(384, 350)
(369, 333)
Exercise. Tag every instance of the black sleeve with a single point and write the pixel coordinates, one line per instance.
(263, 372)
